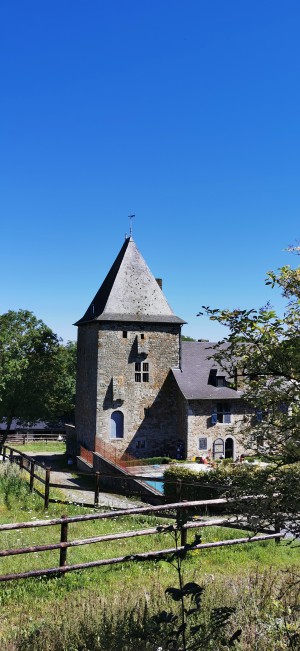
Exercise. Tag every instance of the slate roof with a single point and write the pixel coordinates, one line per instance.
(39, 425)
(195, 377)
(129, 293)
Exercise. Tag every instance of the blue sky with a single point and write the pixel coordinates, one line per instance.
(185, 113)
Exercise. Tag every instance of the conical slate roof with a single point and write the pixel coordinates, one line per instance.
(130, 292)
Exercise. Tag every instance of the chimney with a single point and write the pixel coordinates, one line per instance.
(159, 282)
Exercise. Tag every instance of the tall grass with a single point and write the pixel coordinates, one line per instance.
(89, 622)
(112, 608)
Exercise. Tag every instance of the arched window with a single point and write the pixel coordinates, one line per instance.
(218, 448)
(117, 425)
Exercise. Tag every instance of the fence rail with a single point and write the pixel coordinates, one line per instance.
(29, 464)
(181, 526)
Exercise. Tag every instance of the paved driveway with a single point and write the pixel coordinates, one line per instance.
(79, 487)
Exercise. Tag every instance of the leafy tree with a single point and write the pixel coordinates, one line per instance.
(262, 355)
(37, 373)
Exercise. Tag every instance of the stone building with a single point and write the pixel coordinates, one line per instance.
(141, 390)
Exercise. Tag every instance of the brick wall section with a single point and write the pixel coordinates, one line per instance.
(199, 425)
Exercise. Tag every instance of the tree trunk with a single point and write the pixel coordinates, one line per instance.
(5, 434)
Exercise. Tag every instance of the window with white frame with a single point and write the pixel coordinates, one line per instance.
(221, 413)
(141, 372)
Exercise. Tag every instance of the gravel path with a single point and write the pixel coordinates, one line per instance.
(78, 488)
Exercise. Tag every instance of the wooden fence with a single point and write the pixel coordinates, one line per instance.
(34, 437)
(181, 526)
(30, 465)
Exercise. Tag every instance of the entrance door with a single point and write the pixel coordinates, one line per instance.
(229, 448)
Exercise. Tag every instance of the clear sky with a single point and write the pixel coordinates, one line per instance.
(184, 112)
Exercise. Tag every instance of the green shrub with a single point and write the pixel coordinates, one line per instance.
(152, 461)
(278, 484)
(14, 491)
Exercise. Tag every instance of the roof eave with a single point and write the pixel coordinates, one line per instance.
(132, 318)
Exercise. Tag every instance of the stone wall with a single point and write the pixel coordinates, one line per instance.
(149, 408)
(116, 480)
(86, 385)
(71, 441)
(200, 426)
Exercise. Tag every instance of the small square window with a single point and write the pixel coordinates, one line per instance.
(141, 371)
(221, 382)
(124, 334)
(203, 443)
(140, 443)
(142, 336)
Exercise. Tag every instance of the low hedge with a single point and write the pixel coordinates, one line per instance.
(197, 485)
(236, 481)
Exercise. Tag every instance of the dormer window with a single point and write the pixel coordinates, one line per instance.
(220, 381)
(217, 378)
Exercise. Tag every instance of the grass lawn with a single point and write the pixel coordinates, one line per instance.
(40, 446)
(229, 574)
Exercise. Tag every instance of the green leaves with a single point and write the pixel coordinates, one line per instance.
(37, 373)
(262, 351)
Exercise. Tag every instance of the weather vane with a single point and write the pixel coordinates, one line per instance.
(130, 217)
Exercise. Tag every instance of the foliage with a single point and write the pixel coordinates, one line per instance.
(14, 491)
(185, 338)
(37, 379)
(184, 628)
(262, 353)
(150, 461)
(278, 484)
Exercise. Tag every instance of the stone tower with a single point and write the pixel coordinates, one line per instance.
(128, 340)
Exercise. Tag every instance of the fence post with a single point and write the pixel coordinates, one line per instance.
(47, 488)
(11, 456)
(181, 515)
(4, 452)
(97, 485)
(178, 489)
(63, 538)
(31, 480)
(277, 528)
